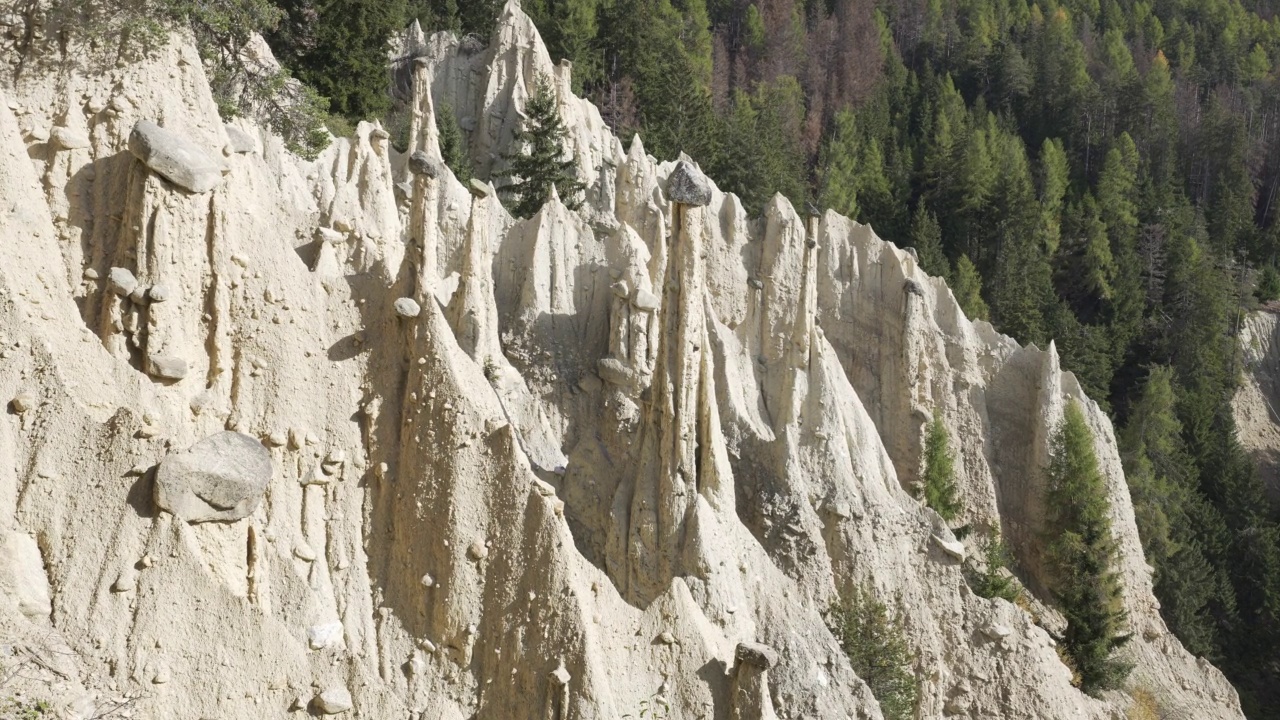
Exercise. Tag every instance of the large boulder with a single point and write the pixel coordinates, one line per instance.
(174, 157)
(221, 478)
(421, 163)
(688, 186)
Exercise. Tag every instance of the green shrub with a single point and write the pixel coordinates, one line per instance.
(13, 709)
(990, 581)
(939, 478)
(1268, 288)
(877, 649)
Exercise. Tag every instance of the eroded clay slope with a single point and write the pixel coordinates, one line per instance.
(547, 468)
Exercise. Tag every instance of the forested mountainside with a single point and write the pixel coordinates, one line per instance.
(1098, 175)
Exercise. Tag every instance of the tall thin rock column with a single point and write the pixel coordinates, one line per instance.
(423, 229)
(668, 477)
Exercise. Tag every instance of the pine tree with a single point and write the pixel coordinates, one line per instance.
(537, 156)
(569, 28)
(1268, 288)
(877, 649)
(939, 481)
(1023, 289)
(1080, 553)
(1053, 181)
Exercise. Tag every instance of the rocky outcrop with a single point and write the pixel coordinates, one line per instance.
(564, 467)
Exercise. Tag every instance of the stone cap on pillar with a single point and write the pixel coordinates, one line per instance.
(688, 186)
(757, 655)
(422, 164)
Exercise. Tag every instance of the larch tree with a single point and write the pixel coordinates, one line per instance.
(1081, 555)
(939, 475)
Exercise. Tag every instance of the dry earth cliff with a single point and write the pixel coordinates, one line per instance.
(336, 437)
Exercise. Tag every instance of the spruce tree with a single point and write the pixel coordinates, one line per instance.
(1268, 287)
(340, 48)
(453, 147)
(939, 477)
(1080, 554)
(926, 238)
(1169, 508)
(536, 159)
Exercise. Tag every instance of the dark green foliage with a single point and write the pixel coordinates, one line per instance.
(1167, 506)
(1080, 553)
(435, 15)
(926, 238)
(938, 479)
(1268, 288)
(340, 47)
(647, 60)
(537, 157)
(762, 153)
(453, 147)
(877, 649)
(569, 29)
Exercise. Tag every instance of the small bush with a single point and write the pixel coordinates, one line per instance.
(13, 709)
(990, 581)
(877, 649)
(1144, 706)
(1268, 288)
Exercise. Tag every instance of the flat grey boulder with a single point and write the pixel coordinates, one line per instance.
(167, 367)
(478, 188)
(421, 164)
(174, 157)
(240, 141)
(221, 478)
(688, 186)
(407, 307)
